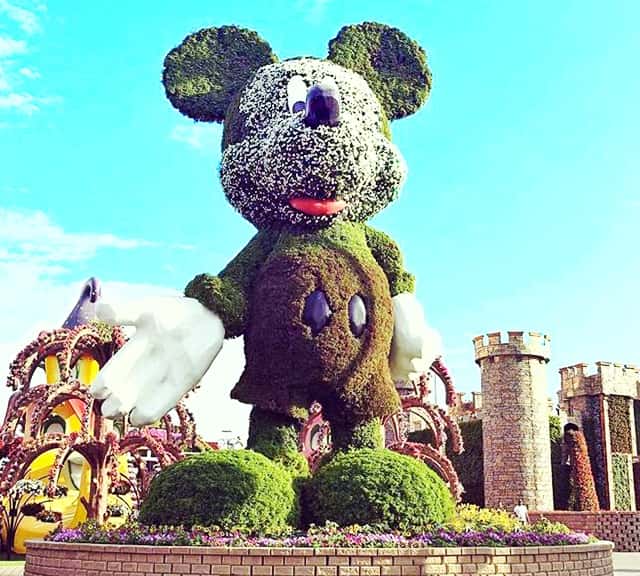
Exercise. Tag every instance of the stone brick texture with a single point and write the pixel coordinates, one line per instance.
(515, 426)
(621, 528)
(57, 559)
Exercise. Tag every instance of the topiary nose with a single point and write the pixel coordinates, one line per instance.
(323, 105)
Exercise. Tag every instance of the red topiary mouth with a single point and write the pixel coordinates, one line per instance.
(316, 207)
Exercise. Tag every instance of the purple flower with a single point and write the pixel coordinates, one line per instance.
(352, 537)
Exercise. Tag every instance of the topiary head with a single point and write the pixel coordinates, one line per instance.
(306, 141)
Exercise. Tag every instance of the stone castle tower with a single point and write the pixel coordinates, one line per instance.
(515, 422)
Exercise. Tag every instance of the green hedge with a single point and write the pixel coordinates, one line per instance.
(378, 487)
(559, 471)
(621, 483)
(227, 488)
(469, 464)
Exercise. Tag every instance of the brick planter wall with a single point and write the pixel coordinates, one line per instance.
(54, 559)
(621, 528)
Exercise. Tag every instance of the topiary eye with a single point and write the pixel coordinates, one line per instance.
(357, 315)
(316, 313)
(296, 94)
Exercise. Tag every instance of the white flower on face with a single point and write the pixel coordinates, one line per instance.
(279, 157)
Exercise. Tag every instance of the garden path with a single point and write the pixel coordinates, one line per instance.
(625, 563)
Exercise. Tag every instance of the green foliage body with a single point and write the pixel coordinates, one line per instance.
(262, 293)
(219, 74)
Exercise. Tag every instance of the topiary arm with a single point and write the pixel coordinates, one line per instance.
(415, 345)
(227, 293)
(388, 256)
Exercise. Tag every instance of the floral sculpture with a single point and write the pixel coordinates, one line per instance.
(582, 488)
(48, 425)
(323, 300)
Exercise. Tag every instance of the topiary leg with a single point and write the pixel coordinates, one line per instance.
(276, 436)
(345, 436)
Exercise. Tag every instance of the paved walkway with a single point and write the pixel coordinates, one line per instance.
(625, 563)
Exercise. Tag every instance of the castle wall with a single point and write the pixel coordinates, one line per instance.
(601, 402)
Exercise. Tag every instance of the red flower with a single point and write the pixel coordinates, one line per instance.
(582, 489)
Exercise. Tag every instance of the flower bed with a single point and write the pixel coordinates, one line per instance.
(352, 537)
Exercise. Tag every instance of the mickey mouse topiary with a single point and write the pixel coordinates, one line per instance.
(322, 299)
(313, 269)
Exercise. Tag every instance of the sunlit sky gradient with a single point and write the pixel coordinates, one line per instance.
(521, 208)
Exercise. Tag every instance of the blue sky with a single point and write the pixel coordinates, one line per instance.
(520, 211)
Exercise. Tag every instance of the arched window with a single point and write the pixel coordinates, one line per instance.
(54, 425)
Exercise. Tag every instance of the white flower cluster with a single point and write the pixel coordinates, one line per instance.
(279, 157)
(25, 486)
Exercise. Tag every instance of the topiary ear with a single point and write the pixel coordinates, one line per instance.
(203, 74)
(394, 65)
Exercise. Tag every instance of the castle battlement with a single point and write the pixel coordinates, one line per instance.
(602, 378)
(516, 343)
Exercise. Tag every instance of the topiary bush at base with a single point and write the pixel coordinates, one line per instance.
(227, 488)
(377, 487)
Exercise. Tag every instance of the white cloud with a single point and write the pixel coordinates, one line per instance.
(198, 136)
(25, 103)
(14, 73)
(31, 241)
(5, 83)
(26, 19)
(13, 190)
(29, 73)
(314, 10)
(11, 47)
(22, 102)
